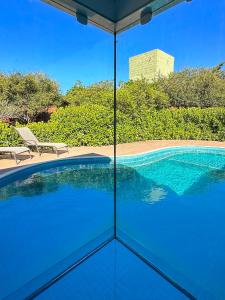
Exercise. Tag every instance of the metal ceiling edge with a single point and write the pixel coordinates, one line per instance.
(94, 18)
(71, 8)
(134, 18)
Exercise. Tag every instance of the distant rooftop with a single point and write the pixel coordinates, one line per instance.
(151, 51)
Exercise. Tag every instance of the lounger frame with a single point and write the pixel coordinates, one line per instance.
(14, 154)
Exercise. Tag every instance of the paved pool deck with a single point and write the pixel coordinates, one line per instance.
(8, 164)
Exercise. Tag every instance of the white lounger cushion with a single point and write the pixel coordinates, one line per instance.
(16, 150)
(55, 145)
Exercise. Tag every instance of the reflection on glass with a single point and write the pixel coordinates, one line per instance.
(185, 191)
(52, 218)
(169, 75)
(52, 74)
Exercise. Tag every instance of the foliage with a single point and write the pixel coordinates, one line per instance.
(187, 105)
(99, 93)
(131, 96)
(200, 87)
(8, 135)
(23, 97)
(78, 125)
(195, 87)
(92, 125)
(144, 93)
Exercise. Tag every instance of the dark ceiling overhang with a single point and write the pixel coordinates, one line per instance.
(113, 15)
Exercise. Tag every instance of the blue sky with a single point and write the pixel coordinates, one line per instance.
(37, 37)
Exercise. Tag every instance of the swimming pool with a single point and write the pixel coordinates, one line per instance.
(170, 210)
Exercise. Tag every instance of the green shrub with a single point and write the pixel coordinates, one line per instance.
(8, 135)
(92, 125)
(78, 126)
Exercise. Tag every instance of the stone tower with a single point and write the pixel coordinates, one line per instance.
(150, 65)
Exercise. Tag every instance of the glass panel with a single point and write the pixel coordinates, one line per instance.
(113, 273)
(170, 205)
(54, 214)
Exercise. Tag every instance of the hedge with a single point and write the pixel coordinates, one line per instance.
(92, 125)
(8, 135)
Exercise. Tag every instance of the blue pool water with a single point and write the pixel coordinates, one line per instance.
(170, 210)
(113, 273)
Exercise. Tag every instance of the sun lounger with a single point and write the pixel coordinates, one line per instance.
(14, 151)
(31, 141)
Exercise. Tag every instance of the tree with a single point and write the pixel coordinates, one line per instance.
(200, 87)
(24, 96)
(146, 94)
(97, 93)
(131, 96)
